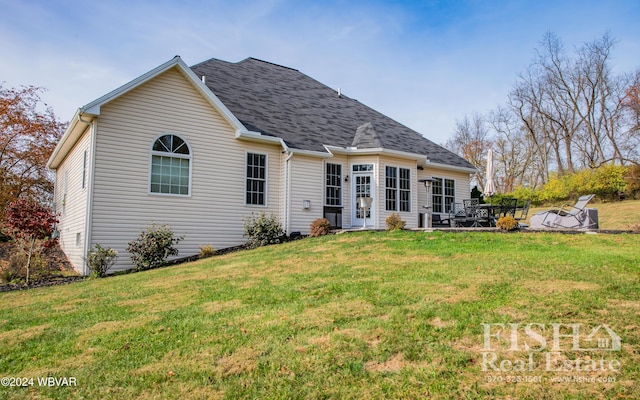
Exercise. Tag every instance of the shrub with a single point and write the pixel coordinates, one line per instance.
(153, 246)
(507, 223)
(320, 227)
(394, 222)
(31, 225)
(207, 251)
(262, 229)
(100, 260)
(14, 270)
(632, 177)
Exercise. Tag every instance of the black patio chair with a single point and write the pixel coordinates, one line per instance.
(508, 206)
(521, 213)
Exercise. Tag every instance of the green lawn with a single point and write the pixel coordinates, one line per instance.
(360, 315)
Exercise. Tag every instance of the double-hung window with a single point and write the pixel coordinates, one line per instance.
(444, 195)
(256, 180)
(333, 184)
(170, 166)
(398, 189)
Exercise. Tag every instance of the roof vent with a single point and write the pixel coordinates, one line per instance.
(204, 79)
(339, 92)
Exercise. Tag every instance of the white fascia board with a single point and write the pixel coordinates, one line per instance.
(93, 108)
(451, 167)
(258, 137)
(244, 134)
(377, 151)
(67, 141)
(311, 153)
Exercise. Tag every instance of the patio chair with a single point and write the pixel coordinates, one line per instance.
(472, 213)
(508, 206)
(564, 215)
(457, 215)
(521, 213)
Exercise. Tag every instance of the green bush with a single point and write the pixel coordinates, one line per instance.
(262, 229)
(100, 260)
(394, 222)
(153, 246)
(608, 182)
(320, 227)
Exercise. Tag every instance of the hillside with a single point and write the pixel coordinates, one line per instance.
(362, 315)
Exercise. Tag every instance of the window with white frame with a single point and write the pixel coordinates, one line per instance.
(405, 189)
(170, 166)
(398, 189)
(333, 185)
(444, 195)
(256, 179)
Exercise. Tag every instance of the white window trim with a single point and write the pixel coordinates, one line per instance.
(266, 179)
(397, 189)
(455, 196)
(174, 155)
(374, 191)
(342, 175)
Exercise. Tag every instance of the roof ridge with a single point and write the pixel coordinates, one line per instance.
(269, 62)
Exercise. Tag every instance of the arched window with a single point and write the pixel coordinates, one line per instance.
(170, 166)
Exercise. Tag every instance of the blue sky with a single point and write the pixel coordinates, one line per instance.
(423, 63)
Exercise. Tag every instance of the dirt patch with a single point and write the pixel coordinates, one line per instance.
(394, 364)
(214, 307)
(160, 302)
(440, 324)
(326, 314)
(108, 327)
(557, 286)
(628, 304)
(240, 361)
(15, 336)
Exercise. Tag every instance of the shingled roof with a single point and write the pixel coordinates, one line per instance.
(285, 103)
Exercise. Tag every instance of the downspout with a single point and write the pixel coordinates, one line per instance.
(87, 222)
(286, 192)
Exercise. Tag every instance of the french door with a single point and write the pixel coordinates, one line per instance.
(362, 187)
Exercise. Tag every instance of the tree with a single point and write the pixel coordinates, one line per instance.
(27, 139)
(31, 225)
(574, 104)
(471, 141)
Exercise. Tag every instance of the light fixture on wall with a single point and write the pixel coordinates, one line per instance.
(306, 204)
(346, 178)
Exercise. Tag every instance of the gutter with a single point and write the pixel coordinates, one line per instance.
(287, 185)
(89, 205)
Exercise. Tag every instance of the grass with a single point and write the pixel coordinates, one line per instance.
(622, 215)
(361, 315)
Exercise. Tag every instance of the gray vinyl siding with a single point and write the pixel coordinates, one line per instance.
(214, 210)
(307, 183)
(72, 207)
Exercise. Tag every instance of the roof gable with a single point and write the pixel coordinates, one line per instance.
(83, 115)
(367, 137)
